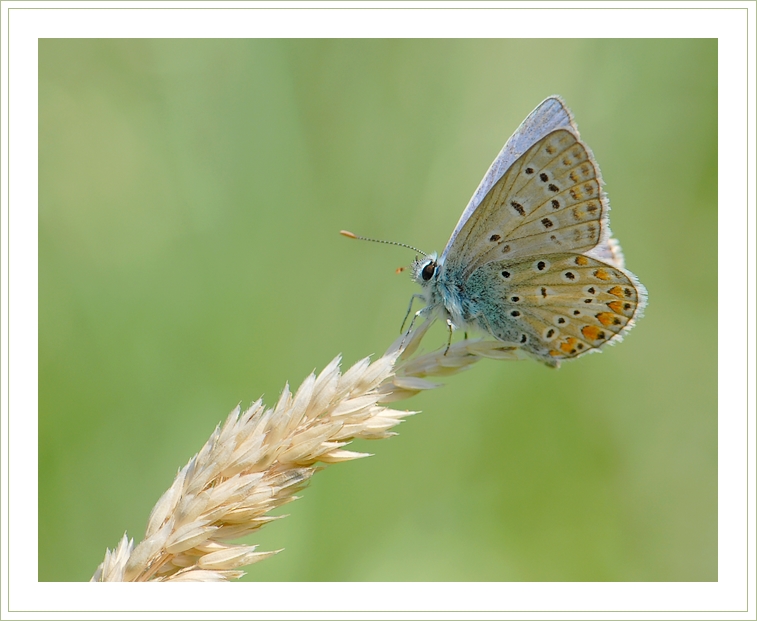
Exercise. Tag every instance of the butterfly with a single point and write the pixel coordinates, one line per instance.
(532, 261)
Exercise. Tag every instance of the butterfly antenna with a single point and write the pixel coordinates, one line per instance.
(381, 241)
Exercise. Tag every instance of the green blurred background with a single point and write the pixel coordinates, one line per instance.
(190, 198)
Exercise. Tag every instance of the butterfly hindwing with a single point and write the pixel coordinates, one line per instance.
(557, 306)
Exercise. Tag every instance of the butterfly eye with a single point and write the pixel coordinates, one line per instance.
(428, 271)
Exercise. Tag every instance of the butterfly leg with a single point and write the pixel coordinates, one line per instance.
(412, 323)
(451, 327)
(409, 310)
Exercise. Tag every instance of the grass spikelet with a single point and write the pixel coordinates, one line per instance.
(259, 458)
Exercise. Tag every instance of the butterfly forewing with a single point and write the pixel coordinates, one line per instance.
(550, 115)
(550, 200)
(556, 306)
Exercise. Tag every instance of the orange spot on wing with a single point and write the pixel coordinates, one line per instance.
(580, 260)
(606, 319)
(602, 274)
(591, 332)
(616, 306)
(569, 345)
(617, 291)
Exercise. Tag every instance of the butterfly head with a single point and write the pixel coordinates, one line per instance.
(425, 270)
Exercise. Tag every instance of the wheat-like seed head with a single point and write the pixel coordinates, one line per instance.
(261, 457)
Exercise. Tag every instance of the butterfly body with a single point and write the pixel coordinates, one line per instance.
(532, 261)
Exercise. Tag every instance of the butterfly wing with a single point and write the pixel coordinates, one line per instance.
(556, 307)
(610, 252)
(549, 200)
(548, 116)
